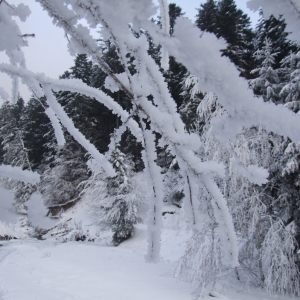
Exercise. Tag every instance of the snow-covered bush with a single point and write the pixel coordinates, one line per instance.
(116, 200)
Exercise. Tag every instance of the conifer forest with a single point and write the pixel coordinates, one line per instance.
(168, 143)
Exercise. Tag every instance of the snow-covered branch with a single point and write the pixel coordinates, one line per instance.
(289, 9)
(76, 86)
(81, 39)
(218, 74)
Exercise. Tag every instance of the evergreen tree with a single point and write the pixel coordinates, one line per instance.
(81, 69)
(38, 134)
(267, 83)
(13, 144)
(192, 98)
(133, 150)
(94, 120)
(116, 200)
(226, 21)
(274, 29)
(290, 92)
(15, 152)
(60, 181)
(207, 17)
(176, 72)
(174, 12)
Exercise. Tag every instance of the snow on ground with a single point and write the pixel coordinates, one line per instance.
(48, 270)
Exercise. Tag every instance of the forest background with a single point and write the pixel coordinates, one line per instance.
(225, 163)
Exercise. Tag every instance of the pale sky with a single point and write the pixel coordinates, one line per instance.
(47, 52)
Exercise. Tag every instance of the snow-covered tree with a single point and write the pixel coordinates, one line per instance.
(254, 207)
(38, 134)
(153, 110)
(291, 90)
(289, 9)
(274, 29)
(60, 181)
(226, 21)
(267, 81)
(15, 151)
(116, 200)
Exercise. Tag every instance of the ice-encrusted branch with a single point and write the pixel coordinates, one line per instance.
(76, 86)
(289, 9)
(218, 74)
(79, 137)
(221, 211)
(66, 18)
(154, 218)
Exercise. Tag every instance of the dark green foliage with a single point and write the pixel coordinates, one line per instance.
(81, 69)
(116, 200)
(272, 49)
(38, 134)
(60, 183)
(124, 227)
(207, 16)
(188, 111)
(274, 29)
(153, 50)
(15, 153)
(133, 150)
(267, 83)
(177, 72)
(226, 21)
(174, 12)
(92, 118)
(175, 79)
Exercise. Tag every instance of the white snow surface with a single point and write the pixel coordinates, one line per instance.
(48, 270)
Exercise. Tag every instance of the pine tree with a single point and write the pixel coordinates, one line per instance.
(267, 83)
(274, 29)
(15, 152)
(37, 134)
(60, 181)
(133, 150)
(207, 17)
(116, 200)
(226, 21)
(290, 67)
(176, 73)
(82, 69)
(174, 12)
(192, 98)
(13, 144)
(85, 112)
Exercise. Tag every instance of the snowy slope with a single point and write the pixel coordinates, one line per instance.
(45, 270)
(48, 270)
